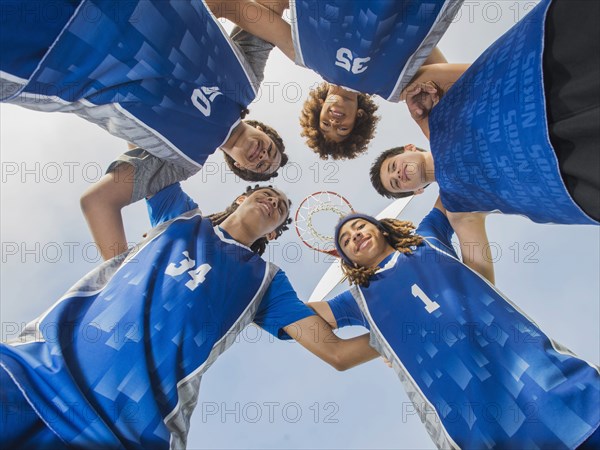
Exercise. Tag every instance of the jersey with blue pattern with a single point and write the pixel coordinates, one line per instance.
(370, 46)
(117, 361)
(161, 74)
(489, 134)
(479, 372)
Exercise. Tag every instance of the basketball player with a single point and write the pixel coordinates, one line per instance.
(117, 361)
(162, 75)
(359, 48)
(479, 372)
(518, 132)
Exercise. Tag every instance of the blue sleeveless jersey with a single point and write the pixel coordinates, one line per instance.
(489, 134)
(479, 372)
(160, 74)
(117, 362)
(370, 46)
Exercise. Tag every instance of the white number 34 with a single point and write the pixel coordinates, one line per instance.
(198, 275)
(345, 60)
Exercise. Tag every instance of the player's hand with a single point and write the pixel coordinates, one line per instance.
(387, 362)
(422, 98)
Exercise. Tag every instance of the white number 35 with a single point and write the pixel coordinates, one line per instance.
(345, 60)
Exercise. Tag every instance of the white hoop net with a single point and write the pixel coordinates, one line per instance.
(317, 216)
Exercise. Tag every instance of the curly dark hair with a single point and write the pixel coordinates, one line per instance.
(376, 170)
(248, 175)
(358, 140)
(399, 234)
(260, 245)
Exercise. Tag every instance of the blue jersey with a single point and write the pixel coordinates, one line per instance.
(479, 372)
(117, 362)
(370, 46)
(489, 134)
(161, 74)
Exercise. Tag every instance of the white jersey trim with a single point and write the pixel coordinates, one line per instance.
(441, 440)
(177, 421)
(30, 402)
(221, 235)
(416, 60)
(299, 57)
(96, 279)
(237, 52)
(12, 78)
(169, 144)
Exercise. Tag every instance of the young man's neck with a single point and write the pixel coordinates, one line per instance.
(388, 251)
(429, 167)
(424, 125)
(233, 137)
(238, 230)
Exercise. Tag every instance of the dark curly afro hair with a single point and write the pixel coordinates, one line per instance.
(358, 140)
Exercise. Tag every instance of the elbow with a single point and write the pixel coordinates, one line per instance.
(93, 198)
(86, 201)
(342, 367)
(339, 363)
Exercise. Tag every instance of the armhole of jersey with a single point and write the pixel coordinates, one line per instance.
(428, 240)
(296, 34)
(446, 14)
(236, 51)
(193, 166)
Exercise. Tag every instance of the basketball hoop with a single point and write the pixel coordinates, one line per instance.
(316, 218)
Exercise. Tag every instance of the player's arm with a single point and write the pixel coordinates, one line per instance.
(435, 57)
(342, 354)
(472, 236)
(324, 311)
(474, 244)
(134, 175)
(444, 75)
(420, 100)
(285, 316)
(262, 18)
(427, 87)
(101, 205)
(317, 336)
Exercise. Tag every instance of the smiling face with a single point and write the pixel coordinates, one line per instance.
(404, 172)
(263, 211)
(363, 243)
(253, 150)
(338, 114)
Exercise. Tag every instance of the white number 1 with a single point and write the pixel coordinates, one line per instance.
(430, 306)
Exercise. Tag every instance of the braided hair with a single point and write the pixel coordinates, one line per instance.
(399, 234)
(260, 245)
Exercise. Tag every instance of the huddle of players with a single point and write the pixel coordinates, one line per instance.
(386, 256)
(340, 123)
